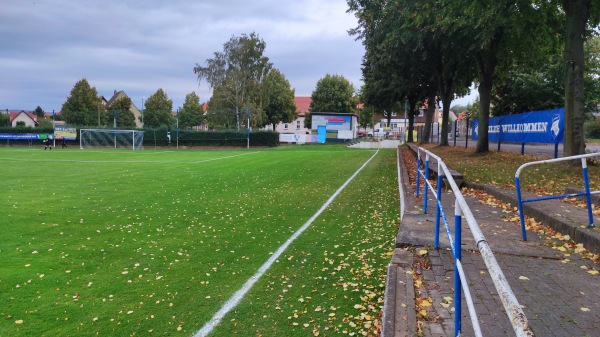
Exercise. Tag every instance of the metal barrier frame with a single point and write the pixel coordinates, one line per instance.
(461, 209)
(586, 183)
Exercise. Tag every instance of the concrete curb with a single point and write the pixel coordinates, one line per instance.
(399, 309)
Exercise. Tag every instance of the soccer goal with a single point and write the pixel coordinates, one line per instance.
(92, 138)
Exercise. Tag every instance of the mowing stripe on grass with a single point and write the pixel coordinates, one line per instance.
(233, 301)
(53, 160)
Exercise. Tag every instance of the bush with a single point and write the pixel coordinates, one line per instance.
(592, 129)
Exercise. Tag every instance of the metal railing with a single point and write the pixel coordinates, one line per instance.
(461, 209)
(586, 192)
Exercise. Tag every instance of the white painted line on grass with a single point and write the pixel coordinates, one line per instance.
(233, 301)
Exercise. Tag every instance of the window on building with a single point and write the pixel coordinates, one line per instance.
(285, 126)
(394, 125)
(394, 114)
(297, 125)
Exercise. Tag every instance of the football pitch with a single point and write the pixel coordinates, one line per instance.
(116, 242)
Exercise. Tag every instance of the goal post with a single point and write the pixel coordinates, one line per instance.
(96, 138)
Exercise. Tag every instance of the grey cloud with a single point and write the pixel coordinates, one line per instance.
(141, 46)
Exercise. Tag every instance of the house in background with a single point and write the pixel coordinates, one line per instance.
(30, 119)
(137, 114)
(296, 126)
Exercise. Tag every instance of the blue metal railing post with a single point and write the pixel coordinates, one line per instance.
(588, 197)
(436, 240)
(457, 257)
(522, 148)
(426, 176)
(418, 171)
(520, 206)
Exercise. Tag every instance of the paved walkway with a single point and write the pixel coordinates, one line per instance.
(558, 295)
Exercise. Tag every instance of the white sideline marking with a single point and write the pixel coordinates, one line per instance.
(233, 301)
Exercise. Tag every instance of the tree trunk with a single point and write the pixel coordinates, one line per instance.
(486, 65)
(428, 117)
(447, 99)
(577, 16)
(411, 122)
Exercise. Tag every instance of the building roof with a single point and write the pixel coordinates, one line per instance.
(302, 104)
(114, 97)
(32, 116)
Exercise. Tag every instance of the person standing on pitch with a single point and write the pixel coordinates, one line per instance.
(64, 143)
(47, 144)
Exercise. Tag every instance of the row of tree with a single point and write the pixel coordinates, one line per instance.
(84, 107)
(429, 49)
(242, 78)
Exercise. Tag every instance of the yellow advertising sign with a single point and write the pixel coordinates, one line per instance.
(67, 133)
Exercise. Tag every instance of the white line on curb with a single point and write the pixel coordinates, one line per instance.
(233, 301)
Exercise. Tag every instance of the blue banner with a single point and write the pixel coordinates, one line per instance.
(531, 127)
(21, 136)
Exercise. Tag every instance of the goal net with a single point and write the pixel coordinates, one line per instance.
(91, 138)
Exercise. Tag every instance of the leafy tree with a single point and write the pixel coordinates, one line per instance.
(220, 114)
(39, 111)
(4, 119)
(395, 65)
(236, 74)
(365, 120)
(334, 93)
(191, 113)
(538, 86)
(45, 123)
(125, 117)
(496, 34)
(83, 106)
(307, 120)
(158, 110)
(278, 101)
(529, 88)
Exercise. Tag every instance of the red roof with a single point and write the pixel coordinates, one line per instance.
(14, 115)
(302, 104)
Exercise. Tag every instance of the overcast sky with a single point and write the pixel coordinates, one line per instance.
(140, 46)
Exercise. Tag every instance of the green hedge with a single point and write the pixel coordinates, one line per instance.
(158, 137)
(27, 129)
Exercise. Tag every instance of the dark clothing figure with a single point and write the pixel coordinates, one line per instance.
(47, 144)
(64, 143)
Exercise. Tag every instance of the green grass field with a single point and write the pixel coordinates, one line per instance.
(153, 242)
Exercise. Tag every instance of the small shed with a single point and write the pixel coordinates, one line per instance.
(339, 126)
